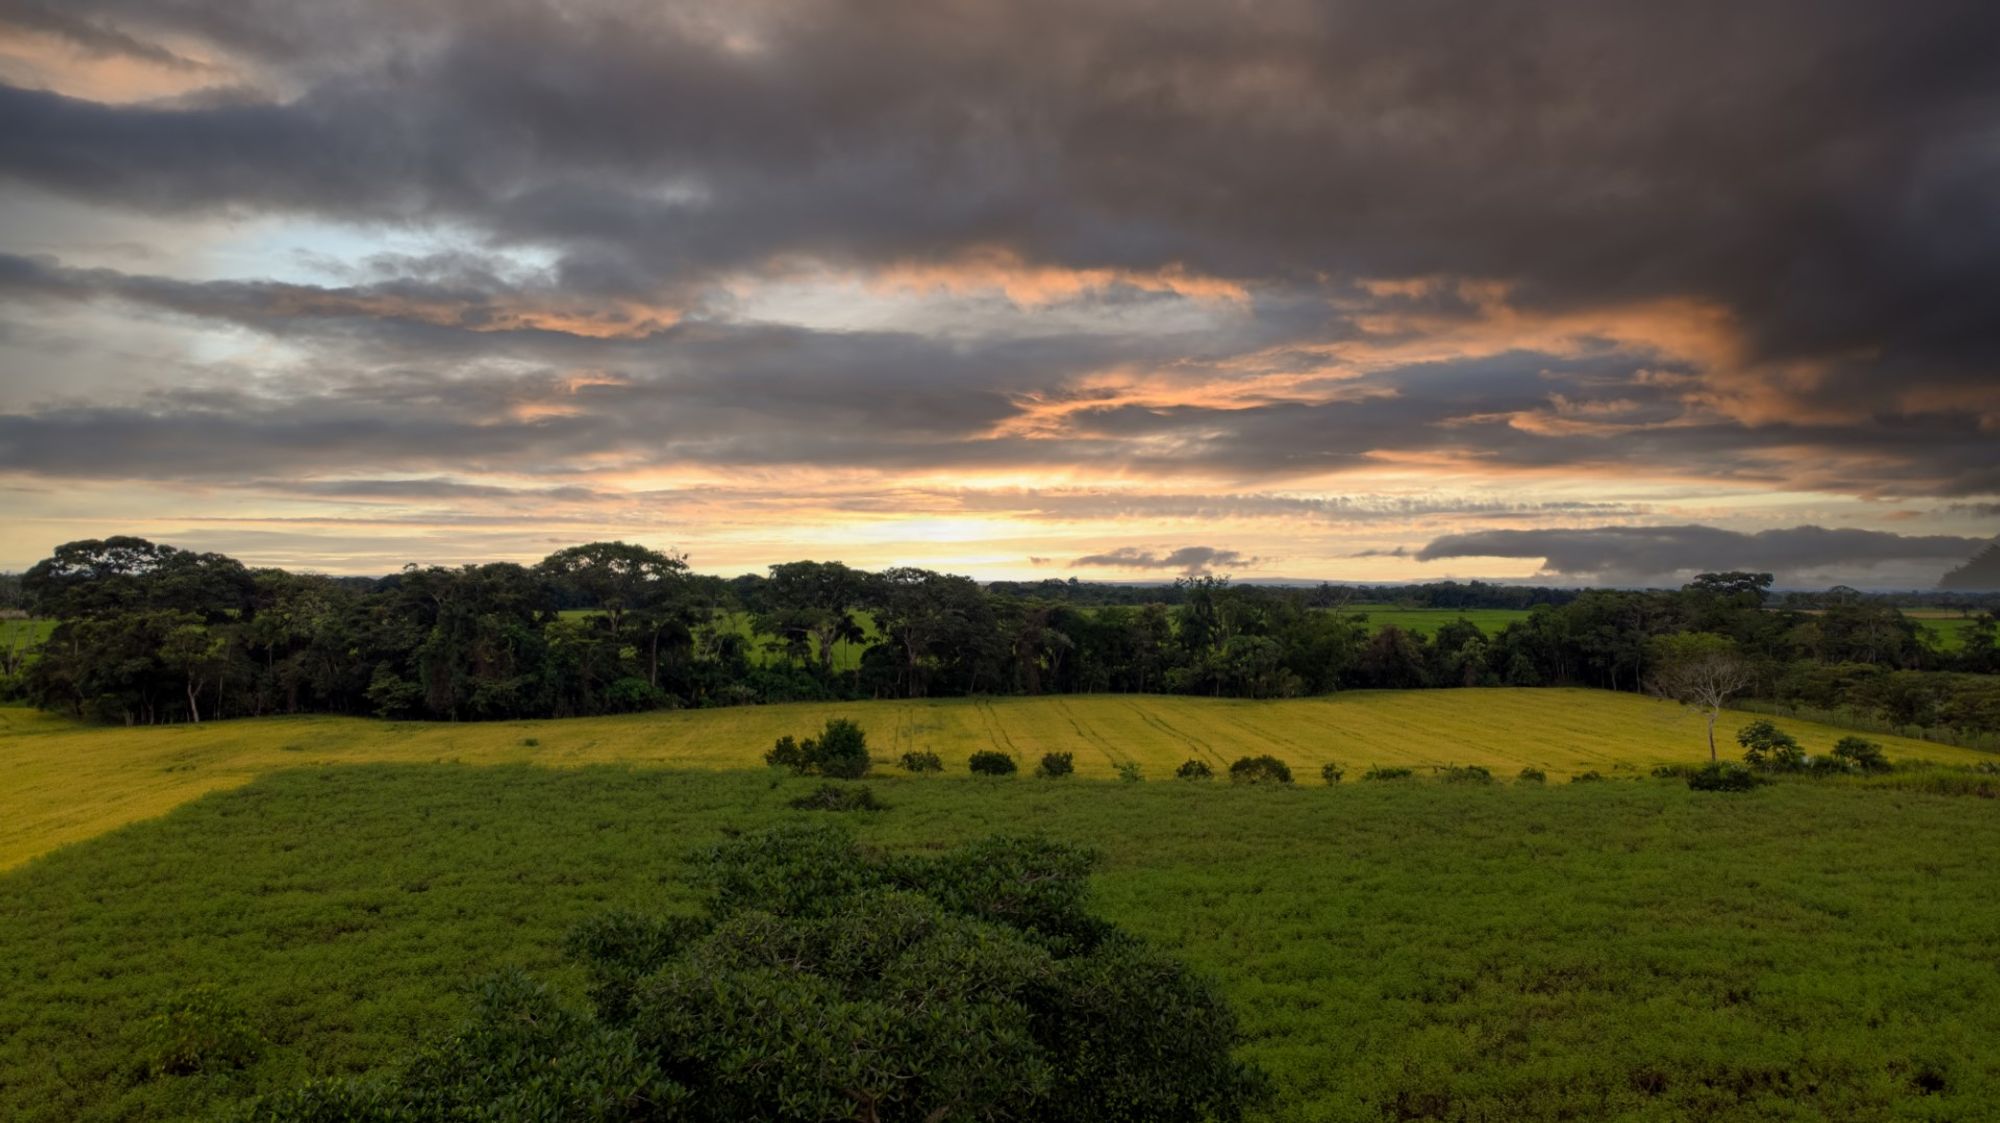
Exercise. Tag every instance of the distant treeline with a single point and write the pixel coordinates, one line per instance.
(148, 633)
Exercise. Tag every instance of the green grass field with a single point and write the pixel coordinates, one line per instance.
(61, 782)
(1425, 621)
(1627, 950)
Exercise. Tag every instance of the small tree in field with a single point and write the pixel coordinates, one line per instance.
(1701, 671)
(840, 752)
(1768, 747)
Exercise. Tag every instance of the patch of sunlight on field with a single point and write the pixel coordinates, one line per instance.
(61, 782)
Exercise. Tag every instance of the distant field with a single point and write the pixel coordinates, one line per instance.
(1629, 951)
(15, 631)
(1426, 621)
(61, 782)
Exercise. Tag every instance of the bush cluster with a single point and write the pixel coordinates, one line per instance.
(1591, 777)
(840, 752)
(1531, 775)
(1261, 769)
(1130, 772)
(1194, 770)
(1722, 776)
(990, 762)
(1768, 748)
(920, 762)
(1387, 772)
(822, 982)
(1054, 766)
(1861, 755)
(1331, 773)
(1465, 774)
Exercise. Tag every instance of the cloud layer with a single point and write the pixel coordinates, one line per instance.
(1069, 279)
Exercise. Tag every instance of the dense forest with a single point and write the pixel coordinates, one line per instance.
(147, 633)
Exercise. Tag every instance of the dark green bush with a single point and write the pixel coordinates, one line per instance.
(1465, 774)
(1262, 769)
(1531, 775)
(1130, 772)
(201, 1030)
(839, 797)
(1767, 747)
(989, 762)
(1331, 773)
(1675, 771)
(1830, 765)
(921, 762)
(1862, 754)
(1054, 766)
(1722, 776)
(840, 752)
(1591, 777)
(1392, 772)
(1194, 770)
(822, 983)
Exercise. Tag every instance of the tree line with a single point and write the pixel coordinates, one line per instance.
(148, 633)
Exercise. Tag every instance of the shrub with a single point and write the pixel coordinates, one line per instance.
(988, 762)
(526, 743)
(200, 1031)
(1863, 755)
(1130, 772)
(1194, 770)
(1393, 772)
(817, 976)
(1829, 765)
(1765, 746)
(1465, 774)
(1331, 773)
(1722, 776)
(1591, 777)
(1531, 775)
(1674, 771)
(1263, 769)
(921, 762)
(840, 752)
(1055, 766)
(839, 797)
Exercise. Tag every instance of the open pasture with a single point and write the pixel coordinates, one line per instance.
(1426, 621)
(1627, 950)
(61, 782)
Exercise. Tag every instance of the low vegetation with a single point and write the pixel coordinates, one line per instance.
(1417, 951)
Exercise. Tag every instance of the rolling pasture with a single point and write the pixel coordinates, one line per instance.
(1397, 951)
(61, 782)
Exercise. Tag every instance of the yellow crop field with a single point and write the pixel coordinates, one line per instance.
(62, 782)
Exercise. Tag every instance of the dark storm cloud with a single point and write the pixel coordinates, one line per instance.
(1634, 553)
(1188, 559)
(1821, 169)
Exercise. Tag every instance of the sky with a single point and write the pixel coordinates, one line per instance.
(1579, 291)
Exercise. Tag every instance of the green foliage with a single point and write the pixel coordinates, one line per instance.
(1465, 774)
(991, 762)
(1591, 777)
(1861, 754)
(971, 983)
(1331, 773)
(1769, 748)
(1531, 775)
(201, 1030)
(1130, 771)
(1194, 769)
(919, 762)
(350, 909)
(1387, 772)
(1054, 766)
(839, 752)
(839, 797)
(1262, 769)
(1722, 776)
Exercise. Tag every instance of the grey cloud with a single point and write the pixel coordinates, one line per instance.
(1636, 553)
(1188, 559)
